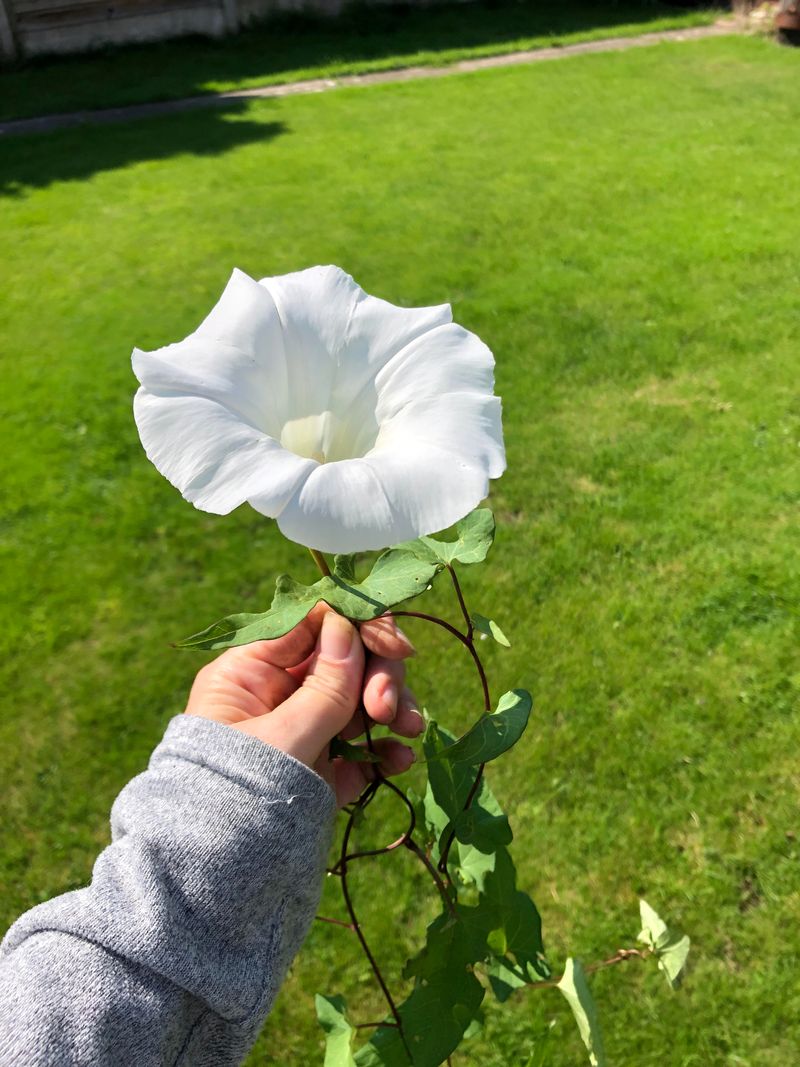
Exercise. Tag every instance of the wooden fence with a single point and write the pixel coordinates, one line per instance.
(33, 27)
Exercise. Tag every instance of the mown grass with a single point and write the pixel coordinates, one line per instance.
(621, 230)
(292, 48)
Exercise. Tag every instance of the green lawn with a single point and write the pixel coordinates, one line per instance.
(291, 48)
(621, 230)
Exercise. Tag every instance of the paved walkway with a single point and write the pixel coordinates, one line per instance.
(320, 85)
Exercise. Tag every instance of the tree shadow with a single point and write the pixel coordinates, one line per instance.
(291, 42)
(35, 161)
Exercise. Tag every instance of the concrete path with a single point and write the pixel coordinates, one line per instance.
(46, 123)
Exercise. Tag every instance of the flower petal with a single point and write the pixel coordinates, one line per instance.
(432, 468)
(341, 507)
(445, 360)
(235, 357)
(377, 332)
(468, 425)
(215, 459)
(428, 487)
(339, 338)
(315, 307)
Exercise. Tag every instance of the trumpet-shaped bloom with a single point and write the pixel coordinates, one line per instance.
(356, 424)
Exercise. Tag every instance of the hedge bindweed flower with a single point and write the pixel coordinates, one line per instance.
(356, 424)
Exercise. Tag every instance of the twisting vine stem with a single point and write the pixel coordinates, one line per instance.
(406, 839)
(440, 873)
(468, 642)
(348, 902)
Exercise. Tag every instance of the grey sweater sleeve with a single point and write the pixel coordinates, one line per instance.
(175, 952)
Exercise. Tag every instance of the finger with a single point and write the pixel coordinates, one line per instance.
(294, 647)
(396, 757)
(385, 638)
(349, 779)
(354, 728)
(238, 685)
(383, 682)
(408, 722)
(330, 693)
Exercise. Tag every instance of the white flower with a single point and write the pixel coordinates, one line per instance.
(354, 423)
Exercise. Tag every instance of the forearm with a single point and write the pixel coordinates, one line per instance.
(175, 952)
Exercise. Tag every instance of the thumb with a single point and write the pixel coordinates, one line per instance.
(329, 695)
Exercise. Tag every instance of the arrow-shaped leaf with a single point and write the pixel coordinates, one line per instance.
(670, 949)
(490, 628)
(492, 734)
(575, 988)
(397, 576)
(474, 536)
(338, 1031)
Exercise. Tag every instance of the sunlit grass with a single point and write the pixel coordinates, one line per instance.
(619, 229)
(291, 48)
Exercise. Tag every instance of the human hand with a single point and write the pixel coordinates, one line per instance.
(301, 690)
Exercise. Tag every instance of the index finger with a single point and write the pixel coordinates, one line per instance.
(296, 645)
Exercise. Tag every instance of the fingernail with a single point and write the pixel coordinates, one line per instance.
(390, 699)
(410, 757)
(336, 636)
(419, 726)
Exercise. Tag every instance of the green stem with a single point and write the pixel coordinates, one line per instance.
(321, 562)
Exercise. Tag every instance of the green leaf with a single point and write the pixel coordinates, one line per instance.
(351, 753)
(384, 1049)
(496, 941)
(397, 575)
(501, 905)
(481, 828)
(504, 978)
(672, 959)
(492, 734)
(449, 784)
(474, 536)
(654, 930)
(513, 910)
(446, 995)
(438, 1013)
(472, 865)
(671, 949)
(576, 989)
(338, 1031)
(447, 790)
(490, 628)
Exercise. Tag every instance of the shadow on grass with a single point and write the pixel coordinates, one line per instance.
(72, 155)
(289, 44)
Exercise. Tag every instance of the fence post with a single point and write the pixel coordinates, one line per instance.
(8, 42)
(230, 14)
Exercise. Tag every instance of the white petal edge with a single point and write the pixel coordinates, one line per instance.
(235, 357)
(216, 461)
(441, 362)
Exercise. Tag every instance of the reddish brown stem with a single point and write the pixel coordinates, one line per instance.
(461, 603)
(466, 641)
(620, 956)
(335, 922)
(362, 939)
(412, 845)
(375, 851)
